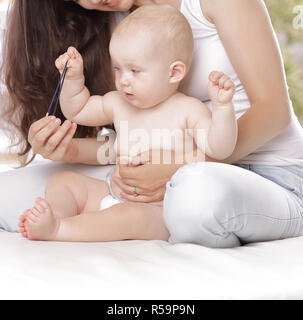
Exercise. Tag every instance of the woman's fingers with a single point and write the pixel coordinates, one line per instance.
(136, 176)
(138, 198)
(39, 139)
(38, 125)
(65, 138)
(49, 139)
(127, 188)
(129, 172)
(55, 139)
(42, 136)
(156, 196)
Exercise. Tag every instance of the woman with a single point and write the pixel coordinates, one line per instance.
(227, 205)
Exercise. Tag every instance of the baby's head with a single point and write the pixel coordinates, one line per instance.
(151, 51)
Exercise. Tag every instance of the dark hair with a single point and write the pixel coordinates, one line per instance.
(37, 33)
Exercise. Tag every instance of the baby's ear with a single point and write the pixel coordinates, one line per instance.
(177, 72)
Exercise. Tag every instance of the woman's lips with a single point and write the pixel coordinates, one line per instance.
(112, 4)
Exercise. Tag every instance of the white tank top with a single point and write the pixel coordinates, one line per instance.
(210, 54)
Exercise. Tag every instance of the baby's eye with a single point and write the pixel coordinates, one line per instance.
(116, 68)
(135, 71)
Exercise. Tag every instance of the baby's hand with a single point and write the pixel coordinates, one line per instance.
(74, 65)
(221, 88)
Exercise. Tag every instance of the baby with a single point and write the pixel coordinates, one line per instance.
(151, 52)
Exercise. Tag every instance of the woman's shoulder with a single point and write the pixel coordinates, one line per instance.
(217, 9)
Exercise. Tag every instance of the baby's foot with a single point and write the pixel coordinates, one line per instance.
(39, 222)
(22, 220)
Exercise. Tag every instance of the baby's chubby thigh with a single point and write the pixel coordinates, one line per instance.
(87, 192)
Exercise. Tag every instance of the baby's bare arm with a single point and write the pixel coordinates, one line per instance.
(222, 134)
(214, 133)
(76, 102)
(95, 111)
(218, 130)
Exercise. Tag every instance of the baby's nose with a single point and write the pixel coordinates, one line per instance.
(124, 80)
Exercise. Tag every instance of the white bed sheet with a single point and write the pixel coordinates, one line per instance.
(147, 269)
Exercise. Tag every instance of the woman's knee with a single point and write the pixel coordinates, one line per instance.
(200, 184)
(194, 202)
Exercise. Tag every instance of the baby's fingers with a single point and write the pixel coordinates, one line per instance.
(228, 84)
(215, 76)
(61, 61)
(224, 78)
(73, 53)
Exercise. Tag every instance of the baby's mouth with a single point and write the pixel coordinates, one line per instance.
(129, 96)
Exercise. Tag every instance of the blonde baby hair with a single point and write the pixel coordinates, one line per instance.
(166, 26)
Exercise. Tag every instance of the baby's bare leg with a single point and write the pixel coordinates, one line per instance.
(70, 193)
(67, 194)
(124, 221)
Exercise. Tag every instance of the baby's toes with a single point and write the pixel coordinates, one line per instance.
(22, 218)
(21, 224)
(39, 207)
(23, 232)
(22, 229)
(33, 216)
(43, 203)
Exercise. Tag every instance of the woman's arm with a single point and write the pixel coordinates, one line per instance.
(248, 37)
(85, 150)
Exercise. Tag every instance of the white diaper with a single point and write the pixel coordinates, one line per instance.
(111, 199)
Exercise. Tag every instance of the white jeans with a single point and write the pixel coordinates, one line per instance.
(220, 205)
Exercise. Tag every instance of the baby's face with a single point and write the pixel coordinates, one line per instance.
(141, 71)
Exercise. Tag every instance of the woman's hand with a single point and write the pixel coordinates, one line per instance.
(148, 178)
(52, 141)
